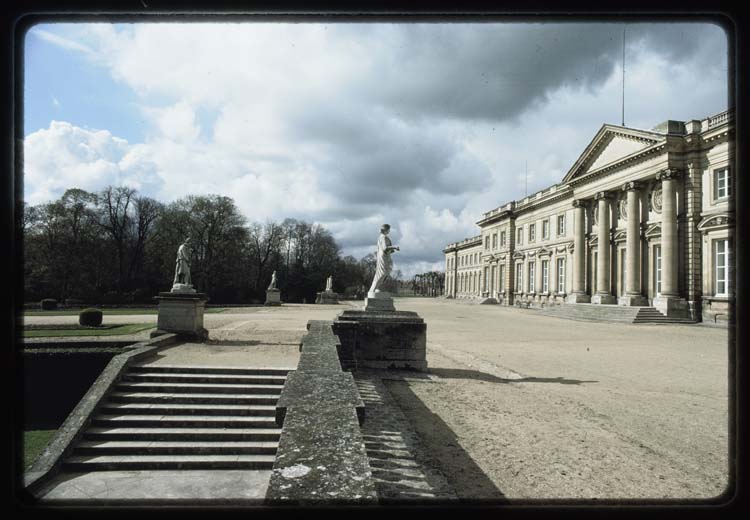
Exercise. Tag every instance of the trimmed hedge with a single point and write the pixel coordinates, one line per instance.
(48, 304)
(90, 317)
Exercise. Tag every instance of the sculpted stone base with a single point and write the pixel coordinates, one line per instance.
(603, 299)
(672, 306)
(389, 339)
(181, 312)
(327, 298)
(273, 297)
(632, 301)
(578, 298)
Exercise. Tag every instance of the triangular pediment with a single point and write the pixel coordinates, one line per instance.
(611, 145)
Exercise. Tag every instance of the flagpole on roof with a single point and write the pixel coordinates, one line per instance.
(623, 74)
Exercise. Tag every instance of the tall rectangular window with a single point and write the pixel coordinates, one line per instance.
(721, 256)
(722, 183)
(487, 243)
(519, 277)
(545, 276)
(545, 229)
(502, 239)
(501, 282)
(531, 277)
(494, 240)
(657, 270)
(484, 280)
(492, 280)
(519, 236)
(532, 232)
(560, 225)
(561, 275)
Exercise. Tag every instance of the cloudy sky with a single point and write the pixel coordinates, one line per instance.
(423, 126)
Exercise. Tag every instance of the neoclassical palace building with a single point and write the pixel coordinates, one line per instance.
(642, 218)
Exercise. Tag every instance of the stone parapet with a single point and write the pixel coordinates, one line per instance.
(321, 458)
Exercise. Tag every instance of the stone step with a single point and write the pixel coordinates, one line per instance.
(183, 421)
(182, 434)
(179, 409)
(175, 447)
(189, 369)
(193, 388)
(194, 398)
(151, 462)
(168, 377)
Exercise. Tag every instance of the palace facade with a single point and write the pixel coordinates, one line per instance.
(643, 217)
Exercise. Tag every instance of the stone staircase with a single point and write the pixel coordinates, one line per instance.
(611, 313)
(170, 417)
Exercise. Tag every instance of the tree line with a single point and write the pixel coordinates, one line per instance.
(118, 246)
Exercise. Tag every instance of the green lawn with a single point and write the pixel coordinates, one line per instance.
(34, 442)
(106, 312)
(52, 331)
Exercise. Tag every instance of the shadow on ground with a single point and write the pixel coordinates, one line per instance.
(458, 373)
(443, 448)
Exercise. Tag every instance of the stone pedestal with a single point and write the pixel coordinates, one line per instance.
(672, 306)
(603, 299)
(181, 312)
(379, 301)
(578, 298)
(630, 300)
(273, 297)
(327, 298)
(382, 339)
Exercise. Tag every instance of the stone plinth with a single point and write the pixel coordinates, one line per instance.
(379, 301)
(273, 297)
(382, 339)
(181, 312)
(672, 306)
(578, 298)
(633, 301)
(327, 298)
(603, 299)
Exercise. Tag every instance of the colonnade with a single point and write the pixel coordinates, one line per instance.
(669, 244)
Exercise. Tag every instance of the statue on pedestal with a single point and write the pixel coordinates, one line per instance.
(384, 261)
(273, 281)
(182, 264)
(329, 284)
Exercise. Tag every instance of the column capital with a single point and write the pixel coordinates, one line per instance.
(632, 186)
(668, 174)
(580, 203)
(603, 195)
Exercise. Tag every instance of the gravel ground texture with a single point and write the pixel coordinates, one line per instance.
(523, 406)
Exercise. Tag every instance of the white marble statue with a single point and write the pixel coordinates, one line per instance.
(384, 262)
(273, 281)
(329, 284)
(182, 264)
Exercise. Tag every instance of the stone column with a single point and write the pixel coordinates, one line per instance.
(578, 293)
(669, 302)
(632, 296)
(603, 294)
(538, 278)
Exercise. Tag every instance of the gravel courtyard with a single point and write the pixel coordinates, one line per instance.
(519, 405)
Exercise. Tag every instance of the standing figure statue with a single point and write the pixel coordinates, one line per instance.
(329, 284)
(182, 264)
(273, 281)
(384, 263)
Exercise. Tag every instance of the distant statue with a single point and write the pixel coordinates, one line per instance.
(182, 264)
(329, 284)
(273, 281)
(384, 262)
